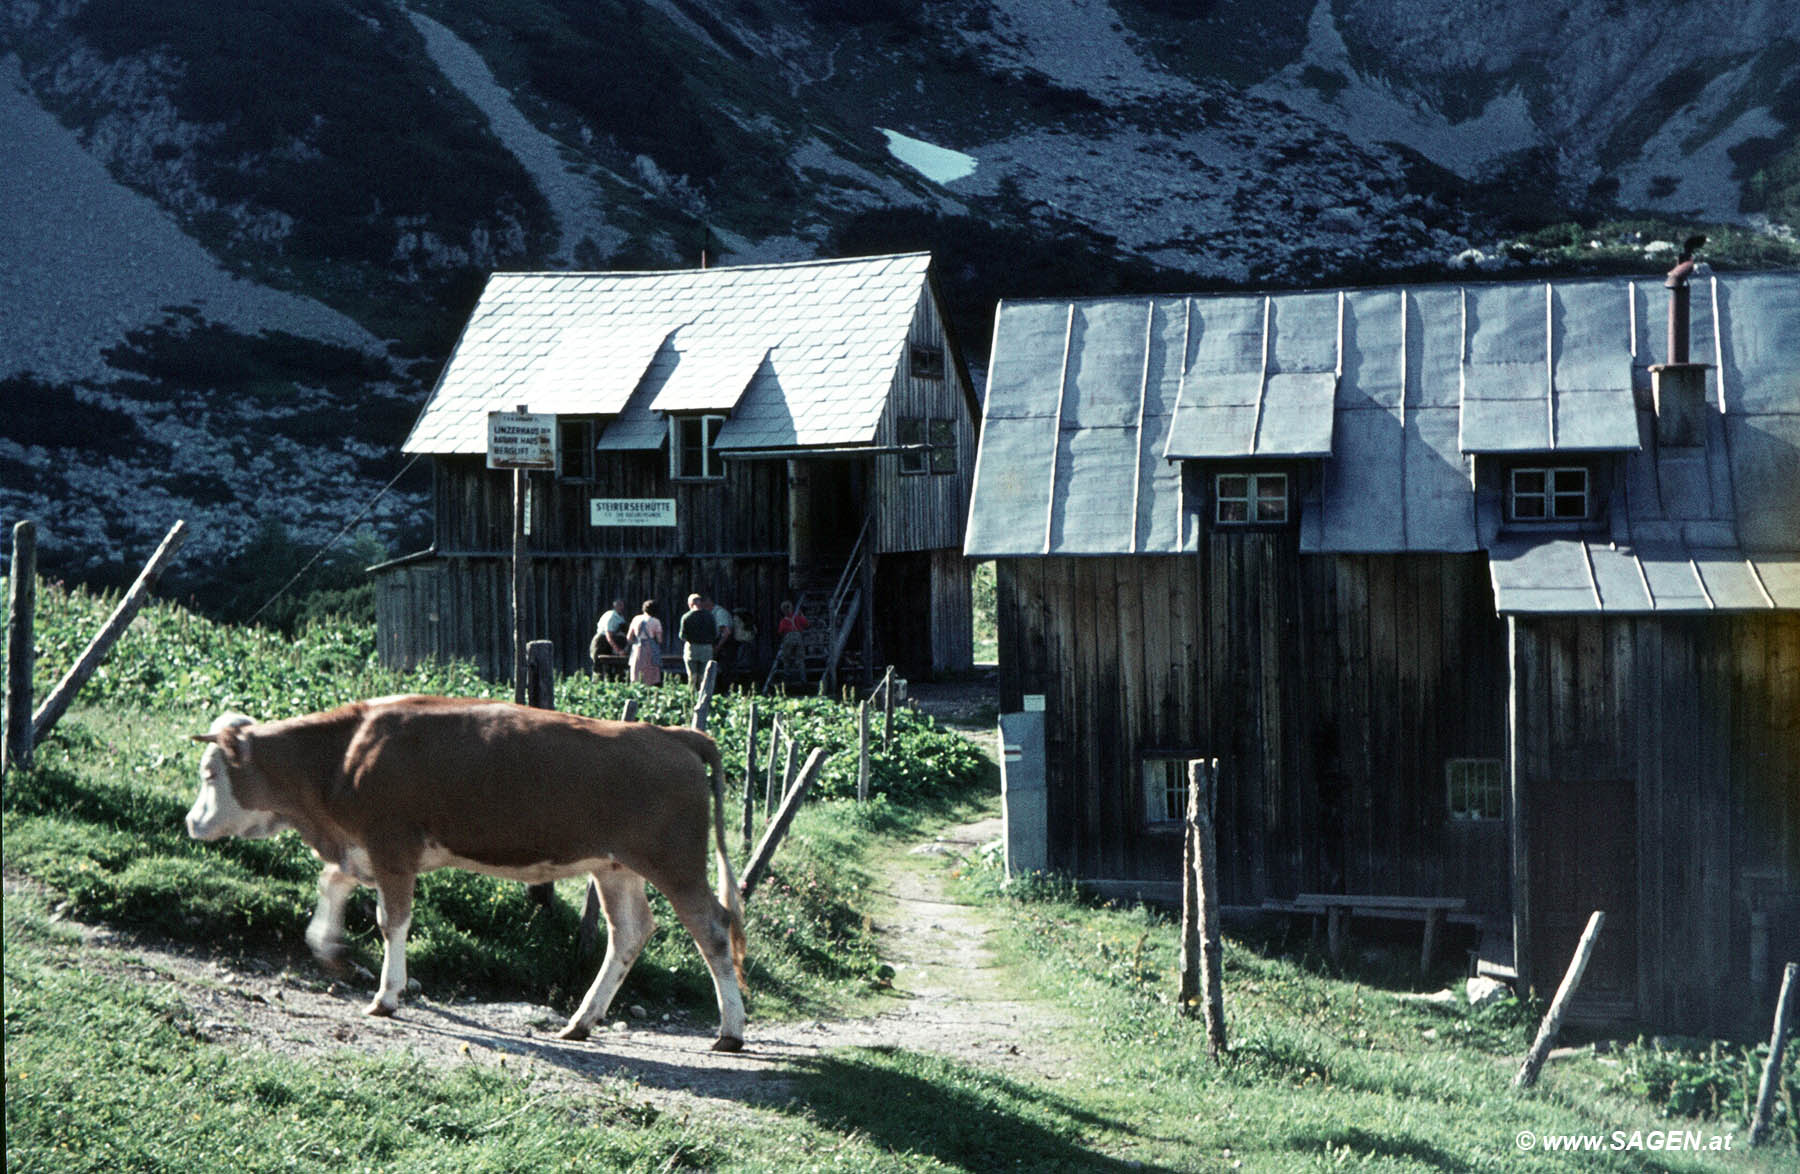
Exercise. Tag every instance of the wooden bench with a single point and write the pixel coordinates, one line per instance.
(1338, 908)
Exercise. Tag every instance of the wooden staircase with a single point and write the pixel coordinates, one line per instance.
(825, 653)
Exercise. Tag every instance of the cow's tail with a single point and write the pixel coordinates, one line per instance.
(708, 750)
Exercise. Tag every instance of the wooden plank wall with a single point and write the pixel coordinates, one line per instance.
(924, 511)
(746, 512)
(1332, 689)
(1702, 714)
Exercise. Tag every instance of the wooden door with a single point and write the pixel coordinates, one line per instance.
(1583, 857)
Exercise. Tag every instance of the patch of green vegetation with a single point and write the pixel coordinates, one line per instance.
(107, 1073)
(1325, 1067)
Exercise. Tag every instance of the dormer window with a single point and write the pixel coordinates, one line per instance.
(692, 456)
(1549, 493)
(1250, 499)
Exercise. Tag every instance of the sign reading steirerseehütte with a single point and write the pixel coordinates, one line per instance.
(521, 440)
(631, 511)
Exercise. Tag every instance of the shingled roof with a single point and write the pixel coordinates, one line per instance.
(1093, 406)
(798, 355)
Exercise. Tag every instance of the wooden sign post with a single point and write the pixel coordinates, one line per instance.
(520, 441)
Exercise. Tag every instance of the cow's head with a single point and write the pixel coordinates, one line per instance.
(218, 809)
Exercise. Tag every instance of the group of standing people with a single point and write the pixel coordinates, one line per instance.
(708, 631)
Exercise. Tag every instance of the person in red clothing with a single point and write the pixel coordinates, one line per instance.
(790, 655)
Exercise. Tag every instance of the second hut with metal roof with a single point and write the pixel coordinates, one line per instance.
(789, 431)
(1485, 598)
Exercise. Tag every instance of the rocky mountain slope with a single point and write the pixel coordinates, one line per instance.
(240, 235)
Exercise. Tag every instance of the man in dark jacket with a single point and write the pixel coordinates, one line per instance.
(698, 631)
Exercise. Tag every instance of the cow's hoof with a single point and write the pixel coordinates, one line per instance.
(728, 1043)
(379, 1009)
(574, 1031)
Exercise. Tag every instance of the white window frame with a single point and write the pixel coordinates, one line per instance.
(1163, 780)
(711, 467)
(1475, 789)
(1559, 487)
(1259, 488)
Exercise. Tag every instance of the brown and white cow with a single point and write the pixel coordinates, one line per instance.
(386, 789)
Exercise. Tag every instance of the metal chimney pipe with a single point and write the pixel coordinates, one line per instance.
(1679, 313)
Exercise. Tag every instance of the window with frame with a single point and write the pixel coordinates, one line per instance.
(1549, 493)
(1250, 499)
(1476, 787)
(925, 362)
(1165, 790)
(692, 456)
(910, 430)
(942, 436)
(575, 453)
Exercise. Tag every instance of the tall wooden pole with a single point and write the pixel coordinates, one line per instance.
(518, 585)
(1771, 1074)
(1187, 996)
(58, 702)
(1203, 786)
(21, 653)
(1540, 1047)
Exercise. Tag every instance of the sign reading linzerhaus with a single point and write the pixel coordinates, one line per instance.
(631, 511)
(521, 440)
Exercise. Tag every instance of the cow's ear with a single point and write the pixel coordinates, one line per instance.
(204, 738)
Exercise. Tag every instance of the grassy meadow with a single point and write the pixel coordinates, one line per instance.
(1326, 1068)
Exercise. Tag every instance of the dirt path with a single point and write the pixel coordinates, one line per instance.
(948, 997)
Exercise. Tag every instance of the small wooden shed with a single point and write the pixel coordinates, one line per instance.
(1471, 598)
(755, 433)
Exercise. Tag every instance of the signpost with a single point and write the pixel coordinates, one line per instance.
(521, 441)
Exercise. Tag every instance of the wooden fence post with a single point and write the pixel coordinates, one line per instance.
(778, 826)
(1188, 992)
(887, 707)
(750, 778)
(1540, 1047)
(1203, 778)
(787, 772)
(21, 652)
(1771, 1074)
(862, 753)
(540, 690)
(775, 732)
(519, 570)
(60, 697)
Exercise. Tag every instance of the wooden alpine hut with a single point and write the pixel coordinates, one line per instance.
(756, 433)
(1486, 598)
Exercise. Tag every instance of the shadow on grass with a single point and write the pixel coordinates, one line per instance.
(967, 1118)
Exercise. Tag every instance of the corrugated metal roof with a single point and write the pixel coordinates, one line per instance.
(803, 353)
(1420, 381)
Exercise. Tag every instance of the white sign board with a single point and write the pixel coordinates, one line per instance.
(521, 440)
(631, 511)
